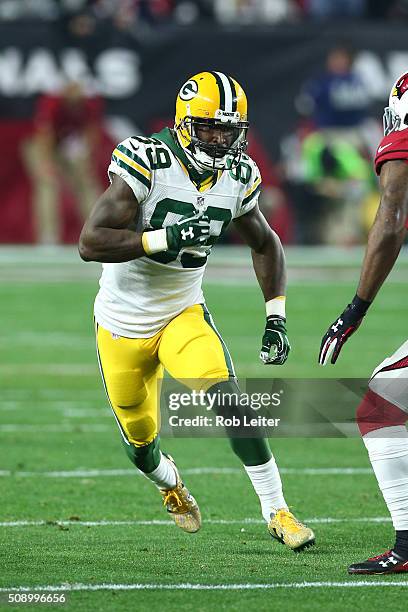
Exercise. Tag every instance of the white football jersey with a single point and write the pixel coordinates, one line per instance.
(138, 298)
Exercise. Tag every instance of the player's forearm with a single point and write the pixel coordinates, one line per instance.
(108, 245)
(384, 245)
(388, 231)
(270, 267)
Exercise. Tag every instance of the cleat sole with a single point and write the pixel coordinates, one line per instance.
(372, 573)
(299, 549)
(366, 572)
(308, 544)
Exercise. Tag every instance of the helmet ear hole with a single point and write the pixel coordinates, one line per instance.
(406, 119)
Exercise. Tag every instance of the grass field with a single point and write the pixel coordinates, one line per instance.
(75, 515)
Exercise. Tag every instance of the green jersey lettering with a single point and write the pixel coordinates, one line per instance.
(241, 172)
(159, 158)
(183, 209)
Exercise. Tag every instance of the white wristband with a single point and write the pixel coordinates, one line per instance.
(276, 306)
(154, 242)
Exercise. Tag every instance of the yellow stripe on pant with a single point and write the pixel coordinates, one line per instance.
(132, 369)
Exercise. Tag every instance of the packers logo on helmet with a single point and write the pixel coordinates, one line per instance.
(189, 90)
(212, 120)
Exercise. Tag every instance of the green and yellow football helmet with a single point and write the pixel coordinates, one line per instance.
(212, 100)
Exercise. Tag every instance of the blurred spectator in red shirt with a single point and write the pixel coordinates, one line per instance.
(67, 132)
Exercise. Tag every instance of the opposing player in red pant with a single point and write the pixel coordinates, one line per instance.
(383, 413)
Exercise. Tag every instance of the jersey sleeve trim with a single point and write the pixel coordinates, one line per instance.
(252, 192)
(132, 155)
(133, 164)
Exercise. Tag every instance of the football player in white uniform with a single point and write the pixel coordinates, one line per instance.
(383, 413)
(171, 197)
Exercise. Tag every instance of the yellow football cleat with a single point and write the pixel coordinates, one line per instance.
(181, 504)
(285, 528)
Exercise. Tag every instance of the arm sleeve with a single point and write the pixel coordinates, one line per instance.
(129, 161)
(392, 147)
(249, 198)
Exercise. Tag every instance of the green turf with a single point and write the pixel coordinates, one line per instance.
(49, 380)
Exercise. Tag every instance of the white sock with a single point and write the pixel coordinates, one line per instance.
(267, 483)
(388, 451)
(164, 476)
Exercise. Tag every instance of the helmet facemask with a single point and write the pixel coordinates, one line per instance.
(393, 122)
(213, 156)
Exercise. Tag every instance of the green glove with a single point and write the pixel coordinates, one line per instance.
(189, 231)
(275, 344)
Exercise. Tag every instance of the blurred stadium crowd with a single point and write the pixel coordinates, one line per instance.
(131, 13)
(319, 188)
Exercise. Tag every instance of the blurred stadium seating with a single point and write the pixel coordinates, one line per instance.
(133, 55)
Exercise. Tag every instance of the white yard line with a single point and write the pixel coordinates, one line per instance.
(349, 430)
(47, 404)
(232, 255)
(68, 413)
(90, 473)
(97, 413)
(48, 338)
(208, 587)
(306, 265)
(75, 341)
(50, 369)
(44, 394)
(57, 428)
(244, 521)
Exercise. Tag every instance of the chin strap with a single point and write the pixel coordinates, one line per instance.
(200, 166)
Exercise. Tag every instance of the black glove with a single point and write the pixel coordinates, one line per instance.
(189, 231)
(341, 330)
(275, 344)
